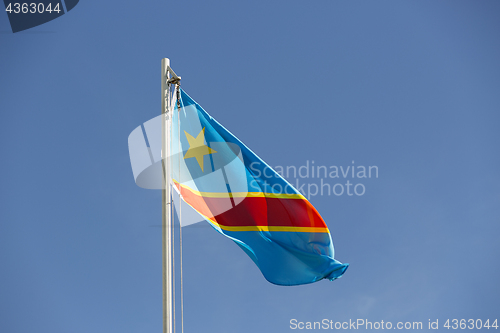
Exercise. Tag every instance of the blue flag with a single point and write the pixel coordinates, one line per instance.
(244, 199)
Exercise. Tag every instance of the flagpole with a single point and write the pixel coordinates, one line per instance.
(166, 201)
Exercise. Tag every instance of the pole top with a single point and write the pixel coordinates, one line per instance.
(166, 70)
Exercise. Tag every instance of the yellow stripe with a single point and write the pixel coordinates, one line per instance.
(273, 228)
(244, 194)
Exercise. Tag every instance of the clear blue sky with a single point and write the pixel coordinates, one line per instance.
(412, 87)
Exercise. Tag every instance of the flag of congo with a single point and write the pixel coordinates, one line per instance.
(247, 201)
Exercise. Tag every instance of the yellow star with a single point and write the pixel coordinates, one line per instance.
(197, 147)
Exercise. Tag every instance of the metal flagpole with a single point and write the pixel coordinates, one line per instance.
(166, 200)
(168, 77)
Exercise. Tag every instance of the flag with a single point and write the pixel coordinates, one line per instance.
(244, 199)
